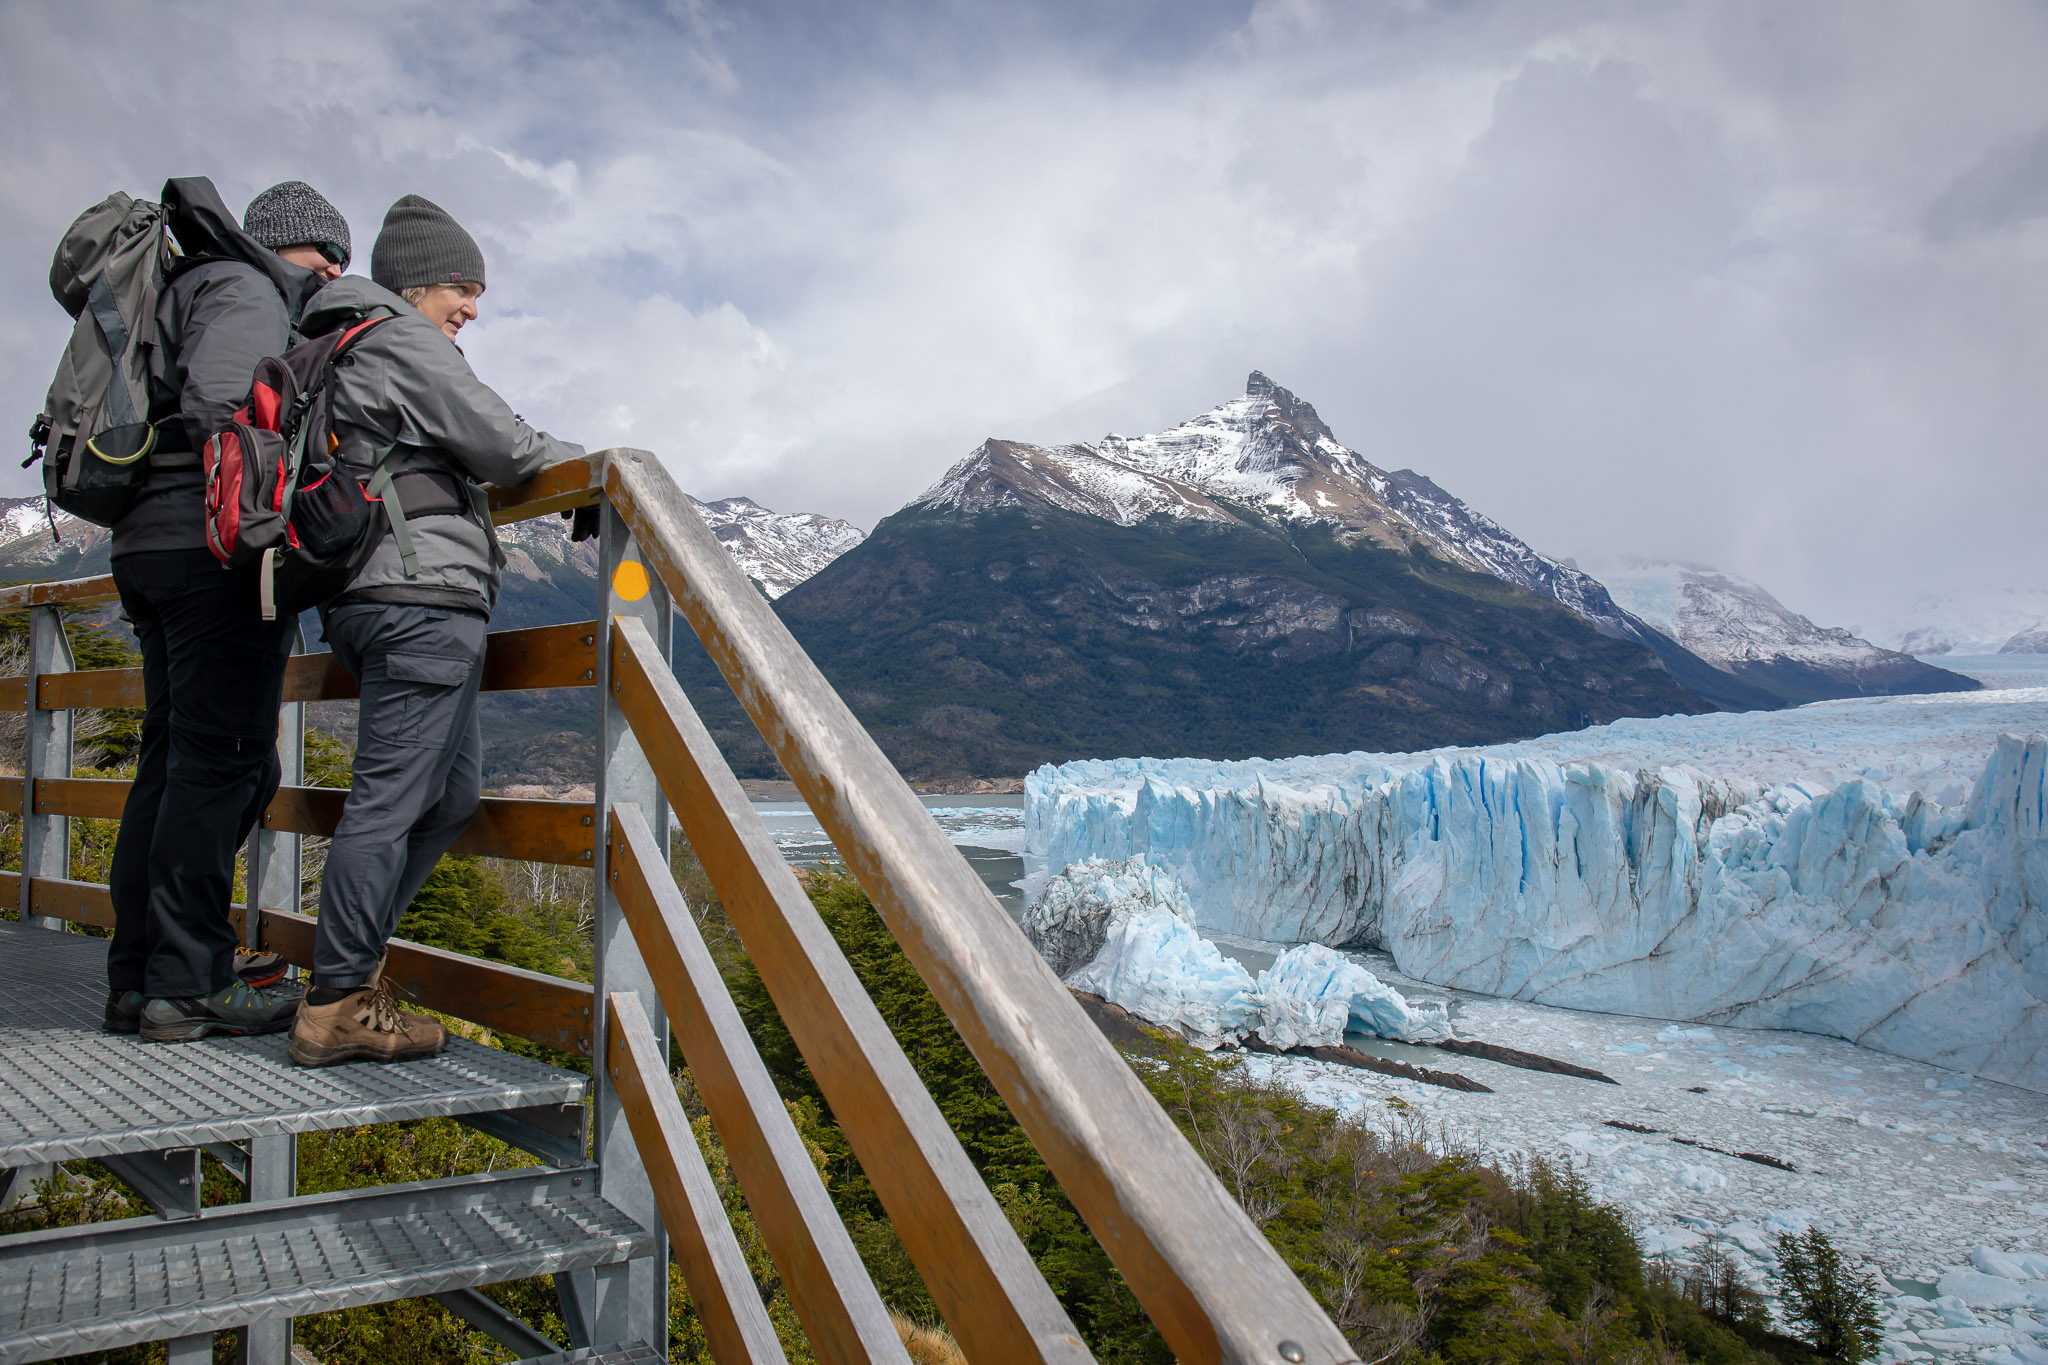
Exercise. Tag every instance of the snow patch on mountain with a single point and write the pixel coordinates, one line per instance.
(1729, 621)
(777, 549)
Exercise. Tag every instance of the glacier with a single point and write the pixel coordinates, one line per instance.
(1125, 931)
(1874, 870)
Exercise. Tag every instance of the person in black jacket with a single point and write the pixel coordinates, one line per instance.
(213, 669)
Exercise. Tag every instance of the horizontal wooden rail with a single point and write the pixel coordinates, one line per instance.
(1211, 1282)
(69, 592)
(557, 488)
(514, 661)
(978, 1272)
(504, 827)
(10, 794)
(844, 1318)
(721, 1287)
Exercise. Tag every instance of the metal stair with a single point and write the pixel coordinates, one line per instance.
(68, 1091)
(105, 1285)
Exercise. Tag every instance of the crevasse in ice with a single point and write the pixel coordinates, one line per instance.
(1883, 917)
(1125, 930)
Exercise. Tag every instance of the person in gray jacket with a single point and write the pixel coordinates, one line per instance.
(212, 668)
(411, 625)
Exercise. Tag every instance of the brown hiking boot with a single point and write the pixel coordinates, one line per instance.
(366, 1025)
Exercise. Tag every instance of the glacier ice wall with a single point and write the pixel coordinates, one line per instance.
(1888, 919)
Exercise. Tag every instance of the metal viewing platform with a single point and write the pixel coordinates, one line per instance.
(622, 1185)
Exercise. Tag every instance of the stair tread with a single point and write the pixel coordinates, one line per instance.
(98, 1287)
(69, 1090)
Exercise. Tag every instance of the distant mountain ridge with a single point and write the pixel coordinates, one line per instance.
(1742, 629)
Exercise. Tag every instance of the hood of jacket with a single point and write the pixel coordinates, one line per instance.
(207, 230)
(342, 299)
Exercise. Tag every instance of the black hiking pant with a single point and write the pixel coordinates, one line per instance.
(212, 676)
(418, 772)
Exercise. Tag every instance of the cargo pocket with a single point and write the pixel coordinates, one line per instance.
(425, 687)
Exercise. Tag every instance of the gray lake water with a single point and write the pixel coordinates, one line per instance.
(988, 831)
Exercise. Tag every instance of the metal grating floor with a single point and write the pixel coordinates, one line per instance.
(69, 1090)
(73, 1290)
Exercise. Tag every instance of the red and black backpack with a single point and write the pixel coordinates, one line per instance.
(278, 495)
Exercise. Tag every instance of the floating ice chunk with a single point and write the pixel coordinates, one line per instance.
(2010, 1265)
(1954, 1312)
(1073, 914)
(1312, 995)
(1156, 966)
(1992, 1291)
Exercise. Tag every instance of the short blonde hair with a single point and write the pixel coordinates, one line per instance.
(413, 293)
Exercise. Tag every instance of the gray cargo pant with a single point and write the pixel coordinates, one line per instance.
(418, 772)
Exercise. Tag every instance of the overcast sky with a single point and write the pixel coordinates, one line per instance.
(1761, 285)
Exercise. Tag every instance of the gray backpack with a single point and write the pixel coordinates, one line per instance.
(94, 435)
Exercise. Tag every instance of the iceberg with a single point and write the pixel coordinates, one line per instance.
(1125, 930)
(1826, 870)
(1312, 995)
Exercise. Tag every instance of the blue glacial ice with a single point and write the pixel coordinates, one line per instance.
(1126, 931)
(1780, 871)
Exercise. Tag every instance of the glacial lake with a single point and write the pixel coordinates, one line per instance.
(988, 831)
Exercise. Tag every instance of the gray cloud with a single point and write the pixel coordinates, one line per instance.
(1756, 284)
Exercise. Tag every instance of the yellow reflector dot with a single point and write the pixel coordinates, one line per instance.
(629, 581)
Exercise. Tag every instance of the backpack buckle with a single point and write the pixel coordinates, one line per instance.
(38, 438)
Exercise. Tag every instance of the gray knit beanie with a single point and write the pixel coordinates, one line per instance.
(420, 244)
(295, 214)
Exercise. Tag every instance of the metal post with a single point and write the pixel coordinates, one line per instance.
(273, 1175)
(632, 1305)
(45, 839)
(196, 1349)
(274, 866)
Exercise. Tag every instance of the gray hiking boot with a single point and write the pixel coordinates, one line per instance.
(236, 1010)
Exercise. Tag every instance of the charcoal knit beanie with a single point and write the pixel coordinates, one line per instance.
(296, 214)
(420, 244)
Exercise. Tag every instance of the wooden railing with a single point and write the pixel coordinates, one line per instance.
(1208, 1278)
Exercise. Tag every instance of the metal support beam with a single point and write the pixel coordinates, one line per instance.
(556, 1133)
(632, 590)
(196, 1349)
(273, 1174)
(576, 1292)
(168, 1181)
(233, 1159)
(274, 854)
(45, 839)
(489, 1317)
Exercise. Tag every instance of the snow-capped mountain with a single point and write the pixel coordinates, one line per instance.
(1739, 627)
(777, 549)
(2033, 640)
(1267, 456)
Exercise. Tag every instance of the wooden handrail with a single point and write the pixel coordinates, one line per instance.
(983, 1280)
(721, 1288)
(844, 1318)
(1211, 1282)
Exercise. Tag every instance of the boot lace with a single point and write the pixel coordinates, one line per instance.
(380, 1011)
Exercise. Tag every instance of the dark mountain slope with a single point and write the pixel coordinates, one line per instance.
(985, 642)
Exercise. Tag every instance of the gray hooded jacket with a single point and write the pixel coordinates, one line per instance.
(406, 383)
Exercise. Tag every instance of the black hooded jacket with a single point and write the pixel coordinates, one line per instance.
(229, 303)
